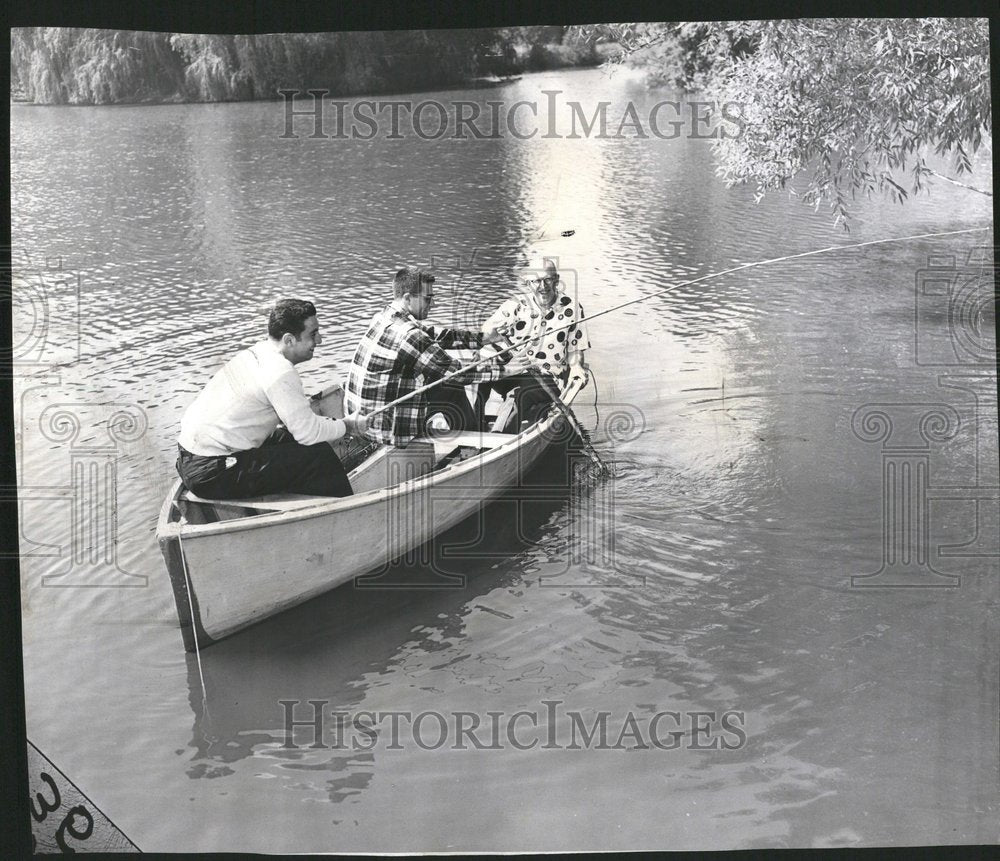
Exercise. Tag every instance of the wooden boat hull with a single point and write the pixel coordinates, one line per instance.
(230, 574)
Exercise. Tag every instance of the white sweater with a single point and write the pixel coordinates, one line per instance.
(243, 403)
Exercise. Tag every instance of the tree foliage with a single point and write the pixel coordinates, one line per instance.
(856, 104)
(55, 65)
(52, 65)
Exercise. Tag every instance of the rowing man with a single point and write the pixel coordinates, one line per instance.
(550, 323)
(399, 355)
(230, 444)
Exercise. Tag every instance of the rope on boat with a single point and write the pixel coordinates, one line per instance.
(194, 627)
(517, 344)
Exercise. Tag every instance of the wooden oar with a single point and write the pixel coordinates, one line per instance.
(543, 380)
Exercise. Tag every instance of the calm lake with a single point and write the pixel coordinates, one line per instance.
(712, 575)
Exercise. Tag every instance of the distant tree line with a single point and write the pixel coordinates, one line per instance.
(54, 65)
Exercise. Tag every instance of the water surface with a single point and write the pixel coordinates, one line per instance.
(743, 504)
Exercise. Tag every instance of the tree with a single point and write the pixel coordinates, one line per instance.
(857, 104)
(53, 65)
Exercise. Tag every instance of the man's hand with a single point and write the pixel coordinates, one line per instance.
(356, 423)
(518, 364)
(497, 328)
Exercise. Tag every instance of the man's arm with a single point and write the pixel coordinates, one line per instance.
(580, 332)
(292, 406)
(433, 362)
(578, 368)
(501, 322)
(454, 339)
(575, 352)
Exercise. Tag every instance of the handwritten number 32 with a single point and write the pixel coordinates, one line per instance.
(68, 823)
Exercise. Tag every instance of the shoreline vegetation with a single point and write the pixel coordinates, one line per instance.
(69, 66)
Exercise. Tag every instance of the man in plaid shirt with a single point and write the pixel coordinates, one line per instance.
(398, 355)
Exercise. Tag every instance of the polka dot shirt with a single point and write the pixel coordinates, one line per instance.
(556, 332)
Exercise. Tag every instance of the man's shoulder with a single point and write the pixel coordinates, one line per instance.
(386, 312)
(403, 324)
(245, 354)
(564, 300)
(266, 362)
(393, 318)
(390, 330)
(243, 360)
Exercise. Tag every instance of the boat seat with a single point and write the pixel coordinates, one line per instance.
(507, 413)
(447, 441)
(270, 501)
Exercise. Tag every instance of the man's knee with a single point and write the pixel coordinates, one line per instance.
(452, 402)
(456, 417)
(326, 474)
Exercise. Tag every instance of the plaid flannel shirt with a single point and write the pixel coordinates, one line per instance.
(397, 356)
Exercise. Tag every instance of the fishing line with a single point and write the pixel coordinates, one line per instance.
(552, 211)
(798, 256)
(517, 344)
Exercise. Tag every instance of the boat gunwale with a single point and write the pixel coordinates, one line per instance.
(168, 530)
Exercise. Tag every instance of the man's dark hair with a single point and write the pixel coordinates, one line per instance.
(289, 315)
(411, 281)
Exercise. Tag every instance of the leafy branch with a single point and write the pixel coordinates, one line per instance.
(854, 104)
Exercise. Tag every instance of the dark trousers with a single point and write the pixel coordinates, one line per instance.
(536, 393)
(450, 399)
(280, 465)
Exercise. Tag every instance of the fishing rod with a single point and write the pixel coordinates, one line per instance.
(518, 344)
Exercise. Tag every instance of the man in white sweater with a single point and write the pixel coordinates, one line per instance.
(230, 444)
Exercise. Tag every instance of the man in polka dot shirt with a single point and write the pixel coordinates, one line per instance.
(551, 323)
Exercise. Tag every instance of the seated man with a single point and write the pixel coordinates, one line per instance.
(230, 444)
(398, 355)
(544, 315)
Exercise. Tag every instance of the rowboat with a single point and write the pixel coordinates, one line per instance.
(233, 563)
(486, 81)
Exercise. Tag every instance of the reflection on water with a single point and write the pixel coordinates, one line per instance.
(712, 574)
(235, 690)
